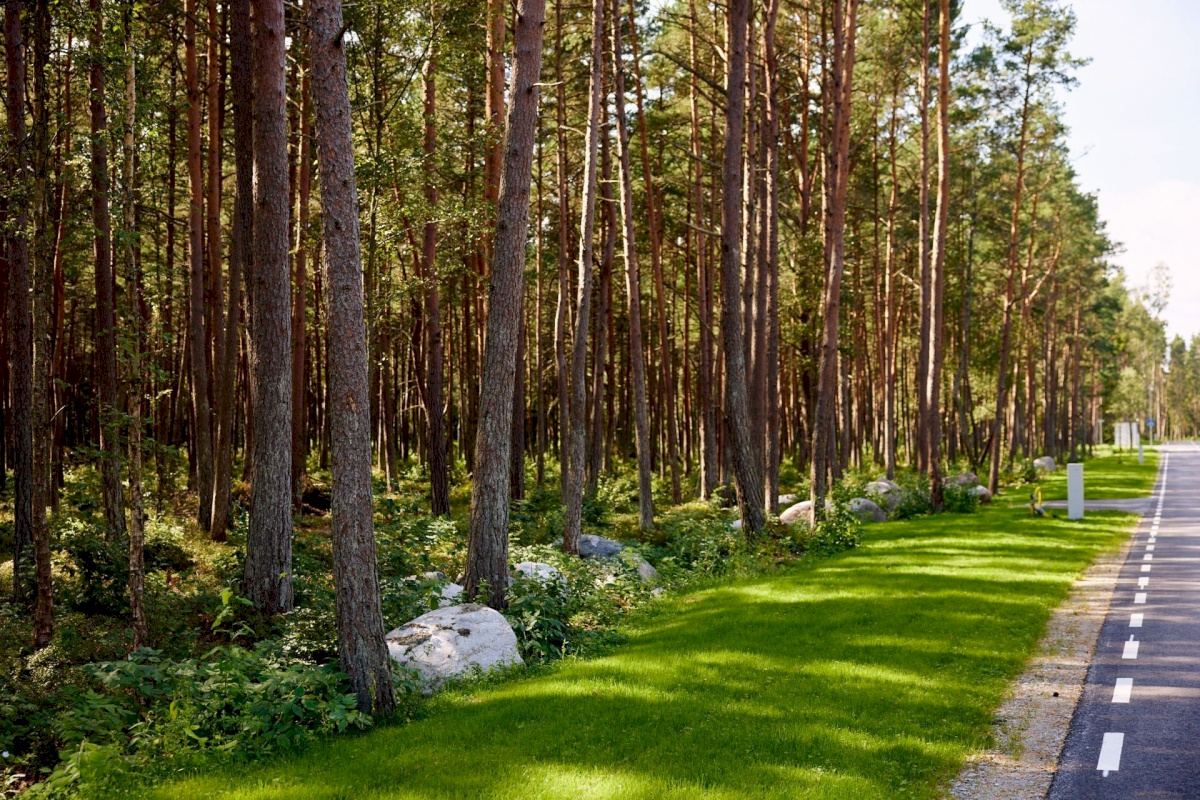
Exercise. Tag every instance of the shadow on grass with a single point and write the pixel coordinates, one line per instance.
(868, 675)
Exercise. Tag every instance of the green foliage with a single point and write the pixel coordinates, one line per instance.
(539, 613)
(146, 711)
(959, 499)
(839, 530)
(739, 687)
(913, 502)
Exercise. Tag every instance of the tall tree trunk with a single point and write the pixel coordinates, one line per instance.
(19, 284)
(709, 463)
(845, 13)
(487, 546)
(362, 650)
(574, 465)
(268, 581)
(439, 467)
(770, 256)
(564, 246)
(603, 312)
(300, 303)
(747, 470)
(106, 301)
(198, 341)
(214, 86)
(632, 285)
(137, 514)
(241, 83)
(925, 286)
(1010, 286)
(43, 627)
(241, 237)
(937, 282)
(654, 225)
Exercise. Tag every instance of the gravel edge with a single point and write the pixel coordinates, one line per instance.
(1031, 725)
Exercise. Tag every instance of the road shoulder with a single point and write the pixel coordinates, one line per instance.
(1031, 726)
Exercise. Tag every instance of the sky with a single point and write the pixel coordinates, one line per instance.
(1134, 135)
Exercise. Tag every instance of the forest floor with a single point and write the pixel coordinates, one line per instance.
(871, 674)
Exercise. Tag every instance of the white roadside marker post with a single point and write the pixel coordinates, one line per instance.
(1074, 491)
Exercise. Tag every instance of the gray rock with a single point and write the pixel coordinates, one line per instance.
(795, 513)
(454, 641)
(788, 499)
(1045, 464)
(866, 510)
(892, 485)
(885, 493)
(964, 479)
(450, 595)
(538, 571)
(645, 569)
(982, 493)
(736, 524)
(592, 546)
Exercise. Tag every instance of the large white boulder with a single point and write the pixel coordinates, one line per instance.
(538, 571)
(454, 641)
(795, 513)
(788, 499)
(1045, 464)
(866, 510)
(982, 493)
(885, 493)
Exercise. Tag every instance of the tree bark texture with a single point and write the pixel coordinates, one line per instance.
(487, 546)
(633, 291)
(241, 236)
(747, 470)
(268, 581)
(198, 340)
(362, 649)
(576, 430)
(106, 301)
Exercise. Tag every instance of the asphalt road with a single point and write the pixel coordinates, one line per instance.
(1136, 730)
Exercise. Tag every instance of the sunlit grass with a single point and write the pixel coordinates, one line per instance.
(1112, 475)
(869, 675)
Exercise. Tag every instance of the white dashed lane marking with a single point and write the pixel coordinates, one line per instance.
(1139, 598)
(1122, 690)
(1110, 753)
(1135, 620)
(1131, 649)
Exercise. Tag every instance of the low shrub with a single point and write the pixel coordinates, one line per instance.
(959, 499)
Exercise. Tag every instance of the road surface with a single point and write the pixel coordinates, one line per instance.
(1136, 730)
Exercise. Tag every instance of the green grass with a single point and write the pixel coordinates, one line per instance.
(1108, 476)
(871, 674)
